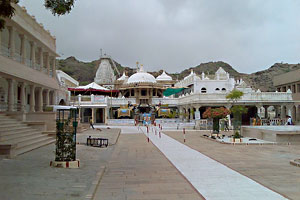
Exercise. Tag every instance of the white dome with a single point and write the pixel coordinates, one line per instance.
(141, 77)
(164, 77)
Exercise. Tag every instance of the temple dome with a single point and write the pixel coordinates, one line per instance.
(164, 77)
(141, 77)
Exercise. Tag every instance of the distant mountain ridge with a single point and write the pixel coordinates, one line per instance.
(85, 72)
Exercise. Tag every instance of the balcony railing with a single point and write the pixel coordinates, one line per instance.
(37, 66)
(169, 101)
(5, 51)
(247, 97)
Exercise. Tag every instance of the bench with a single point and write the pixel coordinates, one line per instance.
(96, 142)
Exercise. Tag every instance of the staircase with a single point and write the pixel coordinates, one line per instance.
(17, 138)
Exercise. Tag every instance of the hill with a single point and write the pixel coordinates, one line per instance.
(85, 72)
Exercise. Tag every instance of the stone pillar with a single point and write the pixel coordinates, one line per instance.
(0, 42)
(106, 115)
(186, 113)
(23, 49)
(258, 107)
(47, 97)
(54, 67)
(41, 59)
(47, 63)
(289, 110)
(32, 98)
(283, 112)
(11, 94)
(23, 97)
(79, 99)
(266, 112)
(297, 113)
(197, 111)
(40, 100)
(54, 97)
(93, 115)
(228, 116)
(191, 113)
(32, 54)
(11, 41)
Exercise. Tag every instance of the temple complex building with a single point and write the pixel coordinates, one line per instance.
(28, 84)
(143, 93)
(27, 65)
(290, 81)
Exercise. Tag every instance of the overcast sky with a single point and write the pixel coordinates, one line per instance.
(250, 35)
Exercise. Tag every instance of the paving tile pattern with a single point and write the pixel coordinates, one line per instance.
(29, 175)
(138, 170)
(267, 164)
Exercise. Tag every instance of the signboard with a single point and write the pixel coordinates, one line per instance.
(99, 99)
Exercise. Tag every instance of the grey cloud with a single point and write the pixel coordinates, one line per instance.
(250, 35)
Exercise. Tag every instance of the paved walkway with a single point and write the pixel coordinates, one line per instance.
(29, 176)
(137, 170)
(212, 179)
(266, 164)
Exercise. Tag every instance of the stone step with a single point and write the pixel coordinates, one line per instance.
(18, 131)
(10, 125)
(17, 138)
(34, 145)
(13, 129)
(29, 142)
(20, 136)
(4, 121)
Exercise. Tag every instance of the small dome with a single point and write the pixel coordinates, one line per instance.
(164, 77)
(141, 77)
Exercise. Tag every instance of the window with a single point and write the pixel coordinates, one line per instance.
(144, 92)
(217, 89)
(203, 90)
(223, 89)
(132, 92)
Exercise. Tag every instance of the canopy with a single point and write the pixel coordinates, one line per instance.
(93, 88)
(171, 91)
(92, 85)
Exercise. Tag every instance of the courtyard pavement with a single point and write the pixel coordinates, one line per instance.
(137, 170)
(29, 176)
(205, 173)
(266, 164)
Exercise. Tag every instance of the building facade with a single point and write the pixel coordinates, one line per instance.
(199, 92)
(27, 65)
(290, 81)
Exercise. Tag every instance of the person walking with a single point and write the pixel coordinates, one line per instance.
(289, 120)
(91, 123)
(226, 128)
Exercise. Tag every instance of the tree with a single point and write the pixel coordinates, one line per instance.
(236, 110)
(57, 7)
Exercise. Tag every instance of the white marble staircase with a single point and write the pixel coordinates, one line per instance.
(17, 138)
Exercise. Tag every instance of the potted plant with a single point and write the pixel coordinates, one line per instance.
(216, 114)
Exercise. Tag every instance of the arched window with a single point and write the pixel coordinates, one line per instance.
(203, 90)
(217, 89)
(223, 89)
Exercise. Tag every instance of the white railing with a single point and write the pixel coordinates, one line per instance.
(5, 51)
(248, 97)
(37, 66)
(121, 101)
(169, 101)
